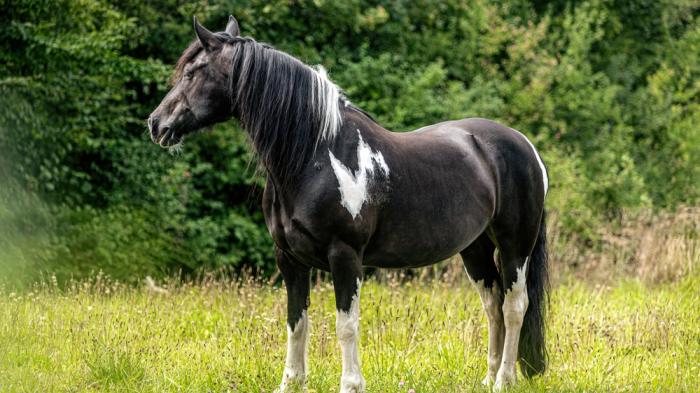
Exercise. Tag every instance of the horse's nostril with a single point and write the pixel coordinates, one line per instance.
(153, 127)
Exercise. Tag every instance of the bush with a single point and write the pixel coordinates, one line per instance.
(607, 90)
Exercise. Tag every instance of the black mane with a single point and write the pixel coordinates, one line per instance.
(286, 106)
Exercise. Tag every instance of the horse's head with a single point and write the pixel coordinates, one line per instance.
(200, 93)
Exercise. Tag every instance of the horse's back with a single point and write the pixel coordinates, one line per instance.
(443, 177)
(456, 178)
(437, 189)
(509, 151)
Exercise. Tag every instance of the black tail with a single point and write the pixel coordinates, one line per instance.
(533, 354)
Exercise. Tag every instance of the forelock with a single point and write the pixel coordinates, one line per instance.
(192, 51)
(187, 56)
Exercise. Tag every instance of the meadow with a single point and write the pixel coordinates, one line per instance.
(229, 336)
(607, 91)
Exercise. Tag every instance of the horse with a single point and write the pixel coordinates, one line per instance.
(342, 193)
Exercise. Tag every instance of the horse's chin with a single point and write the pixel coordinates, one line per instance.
(176, 148)
(171, 143)
(170, 139)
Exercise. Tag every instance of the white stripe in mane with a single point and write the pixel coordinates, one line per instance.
(327, 100)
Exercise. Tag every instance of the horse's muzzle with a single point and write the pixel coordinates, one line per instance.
(153, 123)
(161, 135)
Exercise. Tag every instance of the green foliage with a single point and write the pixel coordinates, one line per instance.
(607, 90)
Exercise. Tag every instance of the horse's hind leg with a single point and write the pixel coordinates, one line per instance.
(480, 266)
(515, 303)
(521, 277)
(296, 279)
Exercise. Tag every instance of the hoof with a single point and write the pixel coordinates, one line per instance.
(352, 389)
(352, 385)
(288, 387)
(488, 380)
(504, 381)
(291, 379)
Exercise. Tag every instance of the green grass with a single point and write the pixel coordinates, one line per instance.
(218, 337)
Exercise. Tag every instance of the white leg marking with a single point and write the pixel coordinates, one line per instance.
(297, 352)
(545, 179)
(353, 186)
(347, 327)
(515, 304)
(491, 301)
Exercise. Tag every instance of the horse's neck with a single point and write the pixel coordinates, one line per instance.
(354, 122)
(277, 174)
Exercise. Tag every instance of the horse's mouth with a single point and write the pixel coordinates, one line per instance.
(169, 138)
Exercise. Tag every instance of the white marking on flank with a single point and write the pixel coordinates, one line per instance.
(297, 352)
(347, 328)
(545, 179)
(515, 304)
(353, 187)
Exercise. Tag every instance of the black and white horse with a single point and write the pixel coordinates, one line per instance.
(342, 193)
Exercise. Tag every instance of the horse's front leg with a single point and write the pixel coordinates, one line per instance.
(346, 268)
(296, 279)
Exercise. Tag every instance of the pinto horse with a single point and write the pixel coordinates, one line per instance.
(342, 193)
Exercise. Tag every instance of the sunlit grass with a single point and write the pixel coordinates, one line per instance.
(221, 337)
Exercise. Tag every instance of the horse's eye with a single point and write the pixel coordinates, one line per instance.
(189, 74)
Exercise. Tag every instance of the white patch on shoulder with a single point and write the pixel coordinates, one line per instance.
(347, 328)
(545, 179)
(353, 186)
(297, 352)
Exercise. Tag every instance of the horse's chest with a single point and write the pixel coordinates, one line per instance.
(286, 237)
(292, 236)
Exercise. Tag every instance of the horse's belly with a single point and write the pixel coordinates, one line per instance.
(441, 219)
(422, 241)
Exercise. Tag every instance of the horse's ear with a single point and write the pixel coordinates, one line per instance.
(206, 37)
(232, 27)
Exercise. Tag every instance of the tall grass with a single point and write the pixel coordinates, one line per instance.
(624, 317)
(229, 336)
(652, 246)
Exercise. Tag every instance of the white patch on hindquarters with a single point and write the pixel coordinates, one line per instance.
(491, 302)
(347, 328)
(354, 187)
(515, 304)
(545, 179)
(518, 286)
(297, 352)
